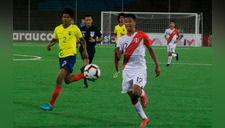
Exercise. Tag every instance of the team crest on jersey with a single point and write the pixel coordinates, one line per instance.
(136, 40)
(123, 29)
(92, 33)
(69, 33)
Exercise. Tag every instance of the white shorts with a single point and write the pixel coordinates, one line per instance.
(133, 76)
(171, 48)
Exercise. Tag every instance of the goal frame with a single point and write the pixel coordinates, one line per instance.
(197, 20)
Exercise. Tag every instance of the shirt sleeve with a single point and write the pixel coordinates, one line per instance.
(115, 31)
(146, 40)
(98, 33)
(55, 36)
(178, 33)
(165, 32)
(78, 33)
(118, 44)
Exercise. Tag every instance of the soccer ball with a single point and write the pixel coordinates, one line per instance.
(92, 72)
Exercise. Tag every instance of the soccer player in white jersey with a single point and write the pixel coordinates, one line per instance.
(172, 36)
(132, 46)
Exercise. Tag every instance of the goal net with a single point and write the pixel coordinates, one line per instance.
(154, 24)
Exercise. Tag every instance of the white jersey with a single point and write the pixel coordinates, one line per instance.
(172, 35)
(133, 49)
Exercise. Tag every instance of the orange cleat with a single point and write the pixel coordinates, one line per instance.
(144, 101)
(144, 122)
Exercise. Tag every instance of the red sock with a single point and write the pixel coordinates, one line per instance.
(55, 94)
(133, 102)
(77, 77)
(116, 65)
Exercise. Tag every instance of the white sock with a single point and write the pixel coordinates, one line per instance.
(142, 93)
(174, 55)
(139, 110)
(169, 59)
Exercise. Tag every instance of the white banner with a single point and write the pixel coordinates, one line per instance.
(32, 36)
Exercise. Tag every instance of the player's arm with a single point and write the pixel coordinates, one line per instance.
(118, 53)
(84, 54)
(178, 37)
(113, 37)
(153, 55)
(52, 43)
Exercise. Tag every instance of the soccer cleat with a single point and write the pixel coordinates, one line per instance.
(144, 122)
(144, 101)
(116, 74)
(85, 85)
(177, 57)
(167, 65)
(48, 107)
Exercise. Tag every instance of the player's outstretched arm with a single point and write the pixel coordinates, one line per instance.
(84, 54)
(118, 53)
(153, 55)
(113, 37)
(52, 43)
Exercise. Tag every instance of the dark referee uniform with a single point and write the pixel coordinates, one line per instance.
(87, 33)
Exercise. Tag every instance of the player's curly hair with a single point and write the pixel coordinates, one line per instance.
(118, 17)
(69, 10)
(131, 16)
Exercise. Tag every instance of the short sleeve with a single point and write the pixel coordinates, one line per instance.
(165, 32)
(78, 33)
(119, 44)
(115, 31)
(98, 33)
(146, 40)
(55, 36)
(178, 33)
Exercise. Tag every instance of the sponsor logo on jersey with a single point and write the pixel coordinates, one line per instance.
(92, 33)
(69, 33)
(136, 40)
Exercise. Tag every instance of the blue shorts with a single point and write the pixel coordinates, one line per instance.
(67, 63)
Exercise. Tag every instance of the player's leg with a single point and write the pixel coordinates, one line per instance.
(173, 53)
(138, 107)
(116, 62)
(169, 51)
(73, 77)
(61, 76)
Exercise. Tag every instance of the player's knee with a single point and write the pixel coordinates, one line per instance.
(59, 81)
(135, 93)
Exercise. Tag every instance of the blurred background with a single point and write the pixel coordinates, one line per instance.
(45, 15)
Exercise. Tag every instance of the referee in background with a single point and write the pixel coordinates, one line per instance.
(92, 35)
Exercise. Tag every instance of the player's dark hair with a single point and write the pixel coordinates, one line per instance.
(69, 10)
(118, 17)
(88, 15)
(131, 16)
(172, 21)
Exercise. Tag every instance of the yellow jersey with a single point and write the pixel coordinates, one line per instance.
(67, 38)
(120, 31)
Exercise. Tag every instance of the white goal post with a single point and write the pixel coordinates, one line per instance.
(154, 24)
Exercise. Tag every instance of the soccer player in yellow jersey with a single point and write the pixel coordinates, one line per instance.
(119, 30)
(66, 34)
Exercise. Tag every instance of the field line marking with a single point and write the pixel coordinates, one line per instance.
(33, 57)
(201, 64)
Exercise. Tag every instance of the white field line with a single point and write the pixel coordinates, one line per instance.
(200, 64)
(102, 46)
(33, 57)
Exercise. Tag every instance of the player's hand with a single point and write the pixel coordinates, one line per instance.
(92, 40)
(110, 40)
(49, 47)
(85, 55)
(86, 62)
(117, 49)
(157, 71)
(176, 41)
